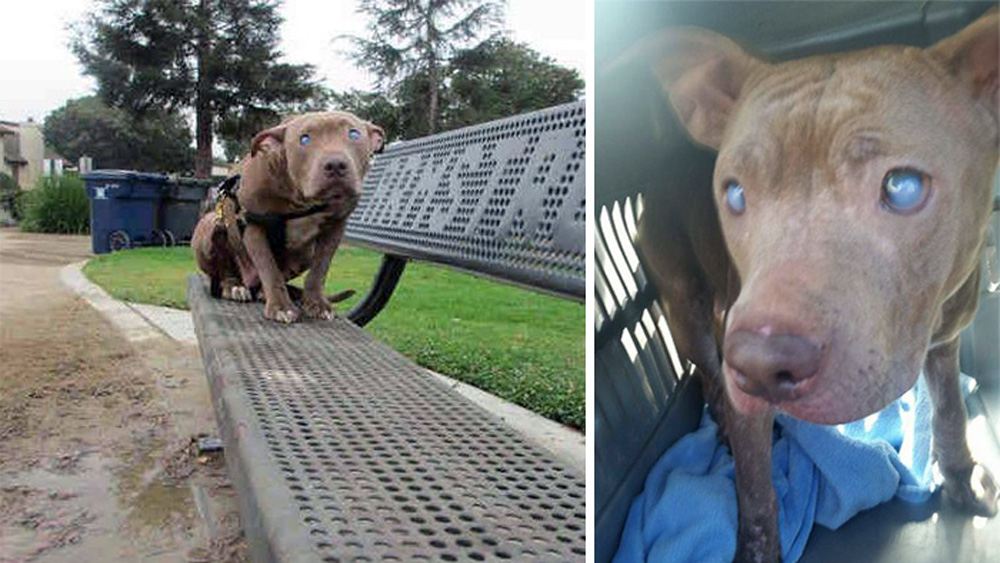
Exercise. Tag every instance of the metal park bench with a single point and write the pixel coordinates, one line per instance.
(340, 448)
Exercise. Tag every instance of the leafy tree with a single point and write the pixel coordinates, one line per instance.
(414, 105)
(500, 77)
(495, 79)
(219, 57)
(157, 141)
(411, 38)
(372, 106)
(237, 128)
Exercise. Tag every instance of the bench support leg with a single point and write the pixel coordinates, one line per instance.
(378, 296)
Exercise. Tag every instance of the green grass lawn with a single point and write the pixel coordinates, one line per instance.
(523, 346)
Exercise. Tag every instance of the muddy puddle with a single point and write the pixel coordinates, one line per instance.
(107, 509)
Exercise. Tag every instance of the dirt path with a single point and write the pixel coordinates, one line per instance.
(96, 460)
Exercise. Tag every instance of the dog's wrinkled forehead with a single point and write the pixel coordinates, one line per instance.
(324, 127)
(843, 111)
(301, 134)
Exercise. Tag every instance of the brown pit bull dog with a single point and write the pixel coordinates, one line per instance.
(840, 250)
(287, 213)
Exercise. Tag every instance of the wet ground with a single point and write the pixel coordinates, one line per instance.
(97, 461)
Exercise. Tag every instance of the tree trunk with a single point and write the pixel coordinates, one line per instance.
(203, 91)
(203, 134)
(432, 97)
(433, 73)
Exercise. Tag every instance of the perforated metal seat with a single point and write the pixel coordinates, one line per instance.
(341, 449)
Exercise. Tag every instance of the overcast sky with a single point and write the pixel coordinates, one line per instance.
(40, 73)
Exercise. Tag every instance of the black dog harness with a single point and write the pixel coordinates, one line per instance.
(274, 224)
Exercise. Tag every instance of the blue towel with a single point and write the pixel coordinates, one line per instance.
(822, 475)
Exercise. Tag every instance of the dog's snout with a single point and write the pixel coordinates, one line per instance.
(335, 166)
(772, 367)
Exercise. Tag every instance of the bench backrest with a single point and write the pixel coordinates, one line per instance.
(505, 199)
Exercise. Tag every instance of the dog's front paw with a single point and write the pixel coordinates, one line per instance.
(237, 293)
(282, 312)
(317, 307)
(974, 488)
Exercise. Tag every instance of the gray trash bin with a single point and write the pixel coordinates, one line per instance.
(181, 207)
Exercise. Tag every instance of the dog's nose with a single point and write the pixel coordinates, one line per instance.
(772, 367)
(336, 166)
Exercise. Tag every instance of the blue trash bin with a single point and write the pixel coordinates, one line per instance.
(182, 208)
(124, 209)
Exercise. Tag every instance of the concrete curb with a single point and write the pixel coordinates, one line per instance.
(138, 322)
(133, 326)
(175, 323)
(567, 444)
(142, 322)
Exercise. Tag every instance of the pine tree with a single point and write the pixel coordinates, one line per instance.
(409, 38)
(217, 57)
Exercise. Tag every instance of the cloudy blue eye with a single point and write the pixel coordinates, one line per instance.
(735, 199)
(904, 189)
(354, 134)
(305, 140)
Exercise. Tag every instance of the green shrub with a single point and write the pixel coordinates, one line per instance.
(10, 193)
(56, 205)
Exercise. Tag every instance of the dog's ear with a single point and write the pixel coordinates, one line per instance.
(702, 72)
(277, 133)
(971, 55)
(376, 136)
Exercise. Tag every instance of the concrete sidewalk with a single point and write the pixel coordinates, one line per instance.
(140, 322)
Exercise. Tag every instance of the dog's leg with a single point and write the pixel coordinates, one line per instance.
(749, 437)
(314, 304)
(967, 482)
(757, 540)
(241, 257)
(223, 263)
(277, 305)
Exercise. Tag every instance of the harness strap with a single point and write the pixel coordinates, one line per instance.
(274, 224)
(229, 186)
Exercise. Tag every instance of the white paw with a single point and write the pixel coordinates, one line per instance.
(288, 316)
(973, 488)
(318, 308)
(241, 293)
